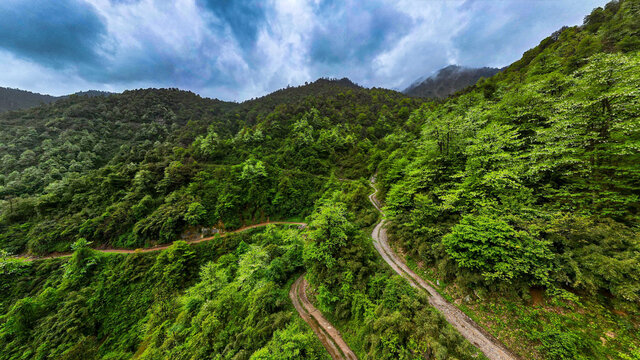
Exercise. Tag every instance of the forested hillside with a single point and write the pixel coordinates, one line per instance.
(531, 181)
(517, 198)
(140, 167)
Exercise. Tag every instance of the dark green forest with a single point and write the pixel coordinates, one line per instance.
(138, 168)
(518, 196)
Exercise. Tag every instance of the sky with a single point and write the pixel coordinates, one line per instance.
(241, 49)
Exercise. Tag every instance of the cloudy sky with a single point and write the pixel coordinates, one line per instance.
(239, 49)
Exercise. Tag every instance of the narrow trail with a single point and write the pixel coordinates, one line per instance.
(485, 342)
(328, 335)
(166, 246)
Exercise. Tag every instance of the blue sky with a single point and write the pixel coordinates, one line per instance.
(239, 49)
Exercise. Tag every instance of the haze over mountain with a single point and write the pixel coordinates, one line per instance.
(16, 99)
(448, 80)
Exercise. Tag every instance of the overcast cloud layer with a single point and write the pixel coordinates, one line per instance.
(239, 49)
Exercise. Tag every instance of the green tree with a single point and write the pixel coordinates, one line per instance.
(196, 213)
(499, 252)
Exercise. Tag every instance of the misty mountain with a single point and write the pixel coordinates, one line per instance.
(448, 80)
(16, 99)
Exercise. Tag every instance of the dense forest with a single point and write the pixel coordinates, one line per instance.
(140, 167)
(530, 180)
(517, 196)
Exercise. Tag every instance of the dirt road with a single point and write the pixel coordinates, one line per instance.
(328, 335)
(485, 342)
(165, 246)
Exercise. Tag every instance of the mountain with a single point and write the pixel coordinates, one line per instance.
(16, 99)
(448, 80)
(79, 137)
(92, 93)
(516, 200)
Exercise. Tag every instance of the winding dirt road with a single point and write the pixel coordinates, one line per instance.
(328, 335)
(485, 342)
(166, 246)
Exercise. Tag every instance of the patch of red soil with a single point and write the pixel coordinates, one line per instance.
(537, 296)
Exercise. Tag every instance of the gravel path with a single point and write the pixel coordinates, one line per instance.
(328, 335)
(485, 342)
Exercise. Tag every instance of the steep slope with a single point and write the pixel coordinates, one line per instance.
(517, 199)
(489, 345)
(325, 332)
(248, 163)
(448, 80)
(226, 298)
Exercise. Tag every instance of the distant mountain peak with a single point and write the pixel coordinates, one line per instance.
(448, 80)
(16, 99)
(345, 81)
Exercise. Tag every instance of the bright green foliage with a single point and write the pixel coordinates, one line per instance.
(194, 302)
(531, 178)
(385, 317)
(235, 308)
(292, 343)
(528, 179)
(596, 255)
(329, 233)
(497, 250)
(196, 214)
(552, 144)
(10, 265)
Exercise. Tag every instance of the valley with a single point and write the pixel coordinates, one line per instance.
(497, 218)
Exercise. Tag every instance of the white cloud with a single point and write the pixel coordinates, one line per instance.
(156, 43)
(23, 74)
(428, 46)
